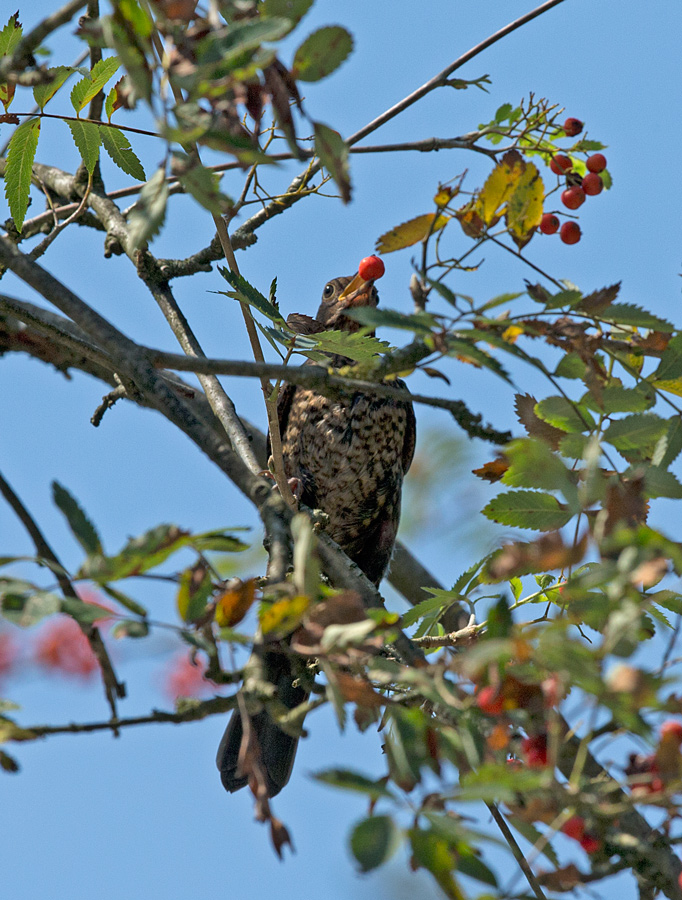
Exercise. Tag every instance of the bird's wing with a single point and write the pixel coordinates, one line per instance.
(410, 435)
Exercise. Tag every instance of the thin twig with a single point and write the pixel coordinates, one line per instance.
(112, 686)
(516, 850)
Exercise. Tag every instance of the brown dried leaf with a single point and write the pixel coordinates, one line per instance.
(565, 879)
(625, 504)
(543, 555)
(524, 404)
(355, 689)
(492, 471)
(598, 300)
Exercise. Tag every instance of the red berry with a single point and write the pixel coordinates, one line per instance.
(535, 751)
(560, 164)
(592, 184)
(679, 879)
(570, 233)
(489, 701)
(596, 163)
(371, 268)
(573, 197)
(572, 127)
(590, 844)
(574, 828)
(549, 224)
(673, 730)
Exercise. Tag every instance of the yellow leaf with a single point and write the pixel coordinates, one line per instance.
(410, 232)
(524, 209)
(284, 615)
(672, 387)
(499, 186)
(232, 605)
(510, 334)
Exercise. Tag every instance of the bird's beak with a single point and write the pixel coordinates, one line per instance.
(355, 284)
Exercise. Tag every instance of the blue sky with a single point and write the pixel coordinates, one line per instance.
(145, 815)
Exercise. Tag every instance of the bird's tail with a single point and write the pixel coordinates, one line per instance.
(277, 748)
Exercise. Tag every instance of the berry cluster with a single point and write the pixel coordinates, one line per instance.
(577, 188)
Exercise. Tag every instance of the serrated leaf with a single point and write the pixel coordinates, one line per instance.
(524, 209)
(293, 10)
(354, 781)
(86, 137)
(89, 86)
(630, 314)
(425, 607)
(332, 151)
(467, 351)
(563, 414)
(670, 366)
(673, 439)
(617, 399)
(42, 93)
(499, 187)
(410, 232)
(148, 214)
(524, 405)
(374, 841)
(21, 152)
(247, 293)
(118, 147)
(218, 53)
(321, 53)
(533, 465)
(638, 432)
(81, 526)
(420, 323)
(659, 483)
(353, 345)
(535, 510)
(218, 542)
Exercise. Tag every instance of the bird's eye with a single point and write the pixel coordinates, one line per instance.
(328, 291)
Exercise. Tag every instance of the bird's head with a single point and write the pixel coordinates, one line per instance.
(342, 294)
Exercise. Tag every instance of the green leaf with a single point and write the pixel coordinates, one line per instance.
(193, 594)
(321, 53)
(500, 621)
(498, 301)
(659, 483)
(629, 314)
(673, 441)
(149, 213)
(81, 526)
(86, 137)
(24, 604)
(200, 183)
(18, 169)
(332, 151)
(571, 366)
(421, 323)
(374, 841)
(247, 293)
(432, 852)
(83, 613)
(10, 35)
(125, 601)
(42, 93)
(638, 432)
(139, 555)
(533, 465)
(432, 604)
(220, 52)
(118, 147)
(354, 781)
(670, 366)
(293, 10)
(564, 414)
(617, 399)
(217, 541)
(353, 345)
(89, 86)
(527, 509)
(130, 628)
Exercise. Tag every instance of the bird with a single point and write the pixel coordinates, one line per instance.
(347, 457)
